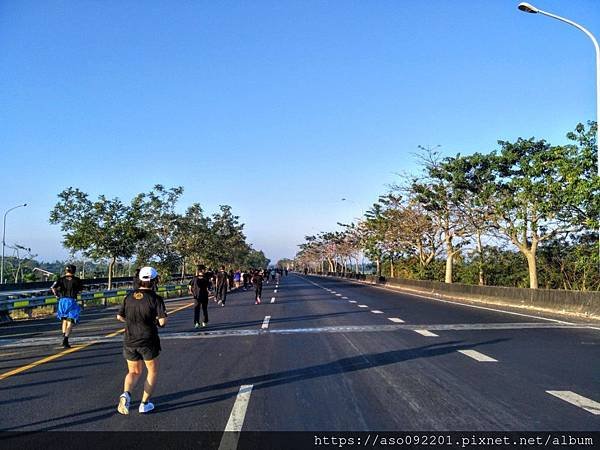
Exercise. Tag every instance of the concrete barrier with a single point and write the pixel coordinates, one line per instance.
(582, 303)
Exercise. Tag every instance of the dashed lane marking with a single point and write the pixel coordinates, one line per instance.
(344, 298)
(231, 436)
(275, 291)
(272, 299)
(363, 306)
(265, 323)
(376, 311)
(352, 301)
(338, 295)
(578, 400)
(396, 319)
(426, 333)
(477, 356)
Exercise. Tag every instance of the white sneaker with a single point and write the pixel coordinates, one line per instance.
(144, 408)
(124, 401)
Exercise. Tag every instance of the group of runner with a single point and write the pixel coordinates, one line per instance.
(143, 311)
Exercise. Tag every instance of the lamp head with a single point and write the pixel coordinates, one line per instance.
(526, 7)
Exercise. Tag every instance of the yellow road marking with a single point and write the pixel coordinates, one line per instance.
(68, 351)
(43, 360)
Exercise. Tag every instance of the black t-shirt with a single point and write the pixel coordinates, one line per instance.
(68, 286)
(140, 310)
(257, 279)
(200, 285)
(222, 279)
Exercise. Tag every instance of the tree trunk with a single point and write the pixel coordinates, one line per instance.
(391, 267)
(449, 260)
(532, 266)
(111, 267)
(378, 262)
(480, 250)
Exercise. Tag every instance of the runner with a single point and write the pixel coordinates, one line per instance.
(222, 285)
(237, 278)
(66, 288)
(198, 288)
(257, 280)
(142, 310)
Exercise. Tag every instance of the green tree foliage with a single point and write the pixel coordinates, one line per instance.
(156, 213)
(530, 196)
(152, 230)
(105, 228)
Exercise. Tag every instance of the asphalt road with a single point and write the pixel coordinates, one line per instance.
(332, 355)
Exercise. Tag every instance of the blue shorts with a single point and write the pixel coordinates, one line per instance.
(68, 309)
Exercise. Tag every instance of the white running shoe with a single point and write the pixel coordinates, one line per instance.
(144, 408)
(124, 401)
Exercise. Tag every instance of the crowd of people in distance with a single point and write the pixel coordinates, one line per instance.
(143, 311)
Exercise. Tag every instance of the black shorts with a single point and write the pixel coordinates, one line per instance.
(137, 353)
(73, 321)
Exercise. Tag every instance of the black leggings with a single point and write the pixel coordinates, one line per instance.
(258, 290)
(197, 304)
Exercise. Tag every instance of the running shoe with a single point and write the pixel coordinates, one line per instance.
(146, 407)
(196, 325)
(124, 401)
(220, 302)
(203, 324)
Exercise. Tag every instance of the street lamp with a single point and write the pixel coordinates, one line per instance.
(4, 240)
(526, 7)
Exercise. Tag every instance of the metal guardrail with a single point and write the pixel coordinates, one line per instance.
(48, 300)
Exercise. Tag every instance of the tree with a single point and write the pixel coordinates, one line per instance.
(437, 195)
(105, 228)
(471, 181)
(537, 190)
(192, 236)
(156, 212)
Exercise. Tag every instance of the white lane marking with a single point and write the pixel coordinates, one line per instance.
(396, 319)
(578, 400)
(477, 356)
(272, 299)
(230, 440)
(363, 306)
(275, 291)
(344, 298)
(265, 323)
(352, 301)
(333, 292)
(376, 311)
(338, 295)
(426, 333)
(396, 290)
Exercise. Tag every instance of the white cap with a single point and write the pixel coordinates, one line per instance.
(148, 273)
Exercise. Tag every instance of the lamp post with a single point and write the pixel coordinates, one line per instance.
(528, 8)
(4, 240)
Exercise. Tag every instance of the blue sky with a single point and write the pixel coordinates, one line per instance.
(278, 108)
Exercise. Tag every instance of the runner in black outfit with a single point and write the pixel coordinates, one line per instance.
(66, 288)
(198, 288)
(222, 284)
(142, 310)
(257, 280)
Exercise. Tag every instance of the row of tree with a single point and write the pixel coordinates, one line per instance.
(150, 230)
(475, 211)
